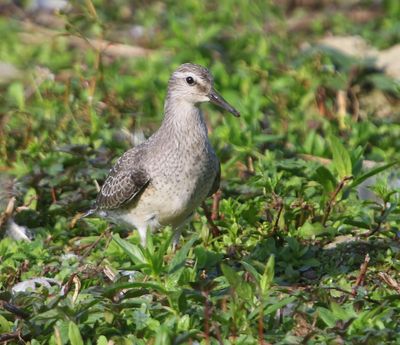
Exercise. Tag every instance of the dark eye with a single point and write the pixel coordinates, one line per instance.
(190, 80)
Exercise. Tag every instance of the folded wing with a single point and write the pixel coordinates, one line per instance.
(125, 182)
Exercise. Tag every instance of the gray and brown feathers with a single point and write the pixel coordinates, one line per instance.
(126, 180)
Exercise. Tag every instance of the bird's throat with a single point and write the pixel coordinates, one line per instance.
(184, 120)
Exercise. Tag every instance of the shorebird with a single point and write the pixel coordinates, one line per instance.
(163, 180)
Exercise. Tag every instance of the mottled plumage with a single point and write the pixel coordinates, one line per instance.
(125, 181)
(161, 181)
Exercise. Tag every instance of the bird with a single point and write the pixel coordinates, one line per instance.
(163, 180)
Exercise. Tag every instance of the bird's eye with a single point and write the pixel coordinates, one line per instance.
(190, 80)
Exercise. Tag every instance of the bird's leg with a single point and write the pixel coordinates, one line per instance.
(143, 235)
(178, 232)
(175, 238)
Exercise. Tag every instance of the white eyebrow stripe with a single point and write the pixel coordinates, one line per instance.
(180, 74)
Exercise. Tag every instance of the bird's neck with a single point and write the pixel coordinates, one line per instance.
(184, 120)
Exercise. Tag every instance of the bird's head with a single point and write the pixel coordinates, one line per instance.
(195, 84)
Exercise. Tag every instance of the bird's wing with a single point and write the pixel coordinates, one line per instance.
(126, 180)
(217, 180)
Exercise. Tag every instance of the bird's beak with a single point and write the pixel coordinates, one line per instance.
(217, 99)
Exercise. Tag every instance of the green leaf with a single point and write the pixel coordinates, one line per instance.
(178, 262)
(368, 318)
(327, 316)
(340, 313)
(268, 275)
(252, 271)
(102, 340)
(17, 93)
(162, 336)
(31, 198)
(181, 255)
(62, 327)
(5, 326)
(134, 252)
(185, 337)
(325, 178)
(274, 307)
(245, 291)
(157, 258)
(241, 287)
(370, 173)
(149, 248)
(206, 258)
(231, 275)
(311, 230)
(74, 335)
(340, 158)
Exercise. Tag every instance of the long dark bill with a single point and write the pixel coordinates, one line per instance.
(217, 99)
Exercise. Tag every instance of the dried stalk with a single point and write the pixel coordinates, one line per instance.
(214, 229)
(361, 275)
(215, 206)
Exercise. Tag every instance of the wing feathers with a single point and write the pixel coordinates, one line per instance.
(124, 182)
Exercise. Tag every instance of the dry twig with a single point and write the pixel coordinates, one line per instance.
(6, 337)
(105, 233)
(214, 229)
(215, 206)
(361, 275)
(6, 215)
(391, 282)
(341, 101)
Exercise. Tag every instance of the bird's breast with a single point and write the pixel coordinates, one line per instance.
(183, 183)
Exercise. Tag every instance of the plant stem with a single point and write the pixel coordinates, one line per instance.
(331, 202)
